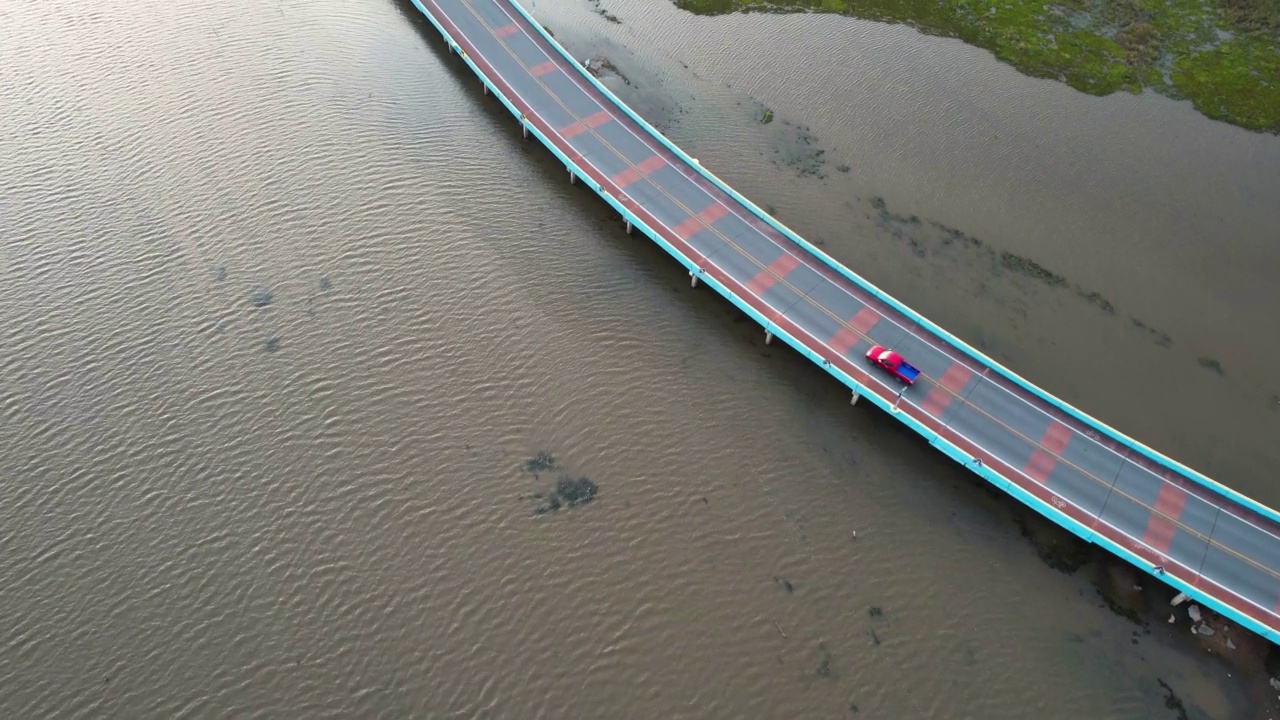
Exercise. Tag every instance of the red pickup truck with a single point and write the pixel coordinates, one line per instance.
(892, 363)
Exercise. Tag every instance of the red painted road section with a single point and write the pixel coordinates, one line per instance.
(769, 276)
(857, 328)
(948, 386)
(708, 215)
(1160, 527)
(594, 120)
(1045, 457)
(632, 174)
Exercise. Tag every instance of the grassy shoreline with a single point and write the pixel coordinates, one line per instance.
(1222, 55)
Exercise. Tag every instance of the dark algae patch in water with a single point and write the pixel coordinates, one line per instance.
(1157, 337)
(1056, 547)
(1172, 701)
(1031, 269)
(569, 491)
(797, 149)
(541, 462)
(575, 491)
(595, 7)
(261, 297)
(927, 238)
(824, 662)
(1222, 55)
(1212, 365)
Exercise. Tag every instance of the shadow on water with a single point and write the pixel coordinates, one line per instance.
(432, 38)
(411, 13)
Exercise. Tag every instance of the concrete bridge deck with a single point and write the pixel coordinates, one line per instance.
(1202, 538)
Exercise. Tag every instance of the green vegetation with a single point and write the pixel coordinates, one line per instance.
(1222, 55)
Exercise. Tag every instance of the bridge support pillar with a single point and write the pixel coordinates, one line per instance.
(854, 400)
(524, 129)
(486, 87)
(768, 337)
(628, 227)
(573, 179)
(693, 279)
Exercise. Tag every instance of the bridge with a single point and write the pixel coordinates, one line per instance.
(1202, 538)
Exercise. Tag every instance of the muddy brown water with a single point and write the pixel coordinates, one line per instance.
(287, 307)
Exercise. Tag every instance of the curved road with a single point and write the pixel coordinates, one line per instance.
(1194, 534)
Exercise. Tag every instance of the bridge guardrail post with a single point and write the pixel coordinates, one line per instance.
(898, 399)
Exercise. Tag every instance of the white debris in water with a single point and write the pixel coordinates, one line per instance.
(1230, 645)
(1194, 612)
(1171, 619)
(1178, 599)
(1275, 683)
(1206, 631)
